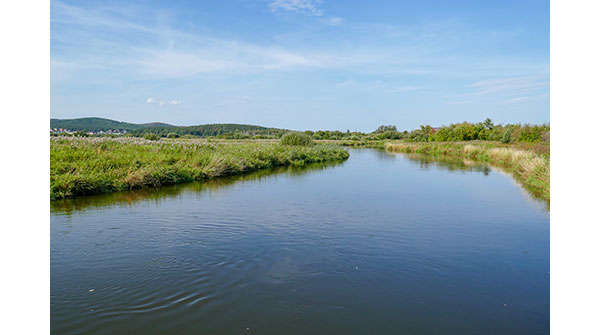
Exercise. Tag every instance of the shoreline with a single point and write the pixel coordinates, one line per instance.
(529, 166)
(87, 166)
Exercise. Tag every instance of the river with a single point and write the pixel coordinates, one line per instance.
(382, 243)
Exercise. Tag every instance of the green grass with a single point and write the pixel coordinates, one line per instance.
(297, 138)
(83, 166)
(529, 163)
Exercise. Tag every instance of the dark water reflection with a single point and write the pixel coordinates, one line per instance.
(67, 206)
(466, 165)
(382, 243)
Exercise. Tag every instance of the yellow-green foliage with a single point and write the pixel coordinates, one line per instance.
(530, 164)
(297, 138)
(81, 166)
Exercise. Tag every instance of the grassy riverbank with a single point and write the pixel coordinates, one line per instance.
(529, 163)
(83, 166)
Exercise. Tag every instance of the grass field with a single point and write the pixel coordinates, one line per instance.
(529, 163)
(83, 166)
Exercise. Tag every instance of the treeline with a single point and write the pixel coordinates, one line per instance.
(485, 131)
(465, 131)
(225, 130)
(458, 132)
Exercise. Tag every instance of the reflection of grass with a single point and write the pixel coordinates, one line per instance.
(530, 164)
(82, 166)
(168, 192)
(379, 144)
(449, 163)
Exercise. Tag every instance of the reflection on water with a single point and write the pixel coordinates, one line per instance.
(381, 243)
(67, 206)
(448, 163)
(455, 164)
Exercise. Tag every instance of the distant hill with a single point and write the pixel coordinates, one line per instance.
(156, 125)
(97, 124)
(210, 130)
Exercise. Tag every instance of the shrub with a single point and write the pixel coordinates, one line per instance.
(506, 136)
(152, 137)
(296, 138)
(172, 135)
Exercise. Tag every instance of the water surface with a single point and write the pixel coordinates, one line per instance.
(382, 243)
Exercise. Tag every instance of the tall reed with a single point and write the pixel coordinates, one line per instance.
(82, 166)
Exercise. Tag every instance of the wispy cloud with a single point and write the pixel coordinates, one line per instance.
(508, 90)
(147, 48)
(104, 51)
(517, 100)
(334, 21)
(303, 6)
(307, 7)
(153, 101)
(528, 98)
(514, 84)
(403, 89)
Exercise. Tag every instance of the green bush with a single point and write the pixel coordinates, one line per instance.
(172, 135)
(296, 138)
(506, 136)
(152, 137)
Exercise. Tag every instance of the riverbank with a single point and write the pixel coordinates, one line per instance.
(529, 163)
(85, 166)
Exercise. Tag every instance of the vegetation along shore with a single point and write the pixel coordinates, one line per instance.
(529, 163)
(95, 155)
(92, 165)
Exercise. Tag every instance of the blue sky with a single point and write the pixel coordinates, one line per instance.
(301, 64)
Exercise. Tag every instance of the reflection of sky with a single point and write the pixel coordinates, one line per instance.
(352, 243)
(464, 165)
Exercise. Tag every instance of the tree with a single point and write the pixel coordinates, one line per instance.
(506, 136)
(383, 129)
(488, 123)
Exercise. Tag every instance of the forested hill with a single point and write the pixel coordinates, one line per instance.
(97, 124)
(210, 130)
(93, 124)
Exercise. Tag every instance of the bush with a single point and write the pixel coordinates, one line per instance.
(172, 135)
(506, 136)
(296, 138)
(152, 137)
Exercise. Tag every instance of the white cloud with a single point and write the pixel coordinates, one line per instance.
(402, 89)
(334, 21)
(517, 100)
(94, 39)
(514, 84)
(305, 6)
(153, 101)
